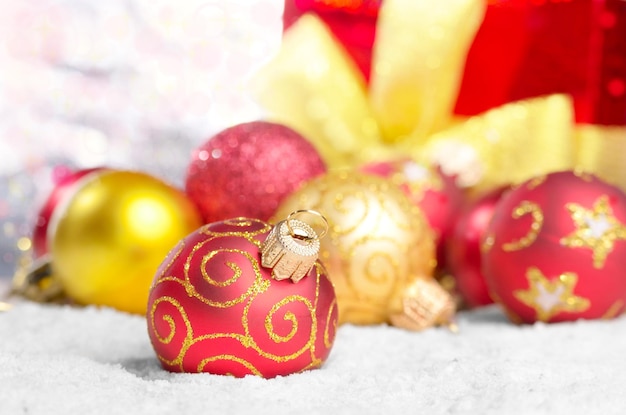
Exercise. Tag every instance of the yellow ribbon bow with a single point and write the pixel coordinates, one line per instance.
(419, 54)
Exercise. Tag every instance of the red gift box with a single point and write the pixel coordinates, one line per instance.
(352, 22)
(523, 49)
(528, 48)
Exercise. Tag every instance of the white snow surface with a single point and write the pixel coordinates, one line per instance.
(68, 360)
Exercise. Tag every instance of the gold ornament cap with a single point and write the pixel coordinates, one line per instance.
(425, 304)
(35, 281)
(292, 247)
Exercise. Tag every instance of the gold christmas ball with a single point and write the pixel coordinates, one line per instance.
(110, 236)
(378, 243)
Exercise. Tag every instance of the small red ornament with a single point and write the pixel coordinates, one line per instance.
(555, 249)
(247, 170)
(66, 182)
(435, 193)
(214, 308)
(463, 249)
(352, 22)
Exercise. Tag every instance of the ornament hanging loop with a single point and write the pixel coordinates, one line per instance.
(35, 281)
(292, 246)
(299, 235)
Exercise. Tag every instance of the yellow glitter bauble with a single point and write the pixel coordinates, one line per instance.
(378, 242)
(108, 238)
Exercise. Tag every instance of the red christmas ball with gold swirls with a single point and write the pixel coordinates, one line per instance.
(435, 193)
(214, 308)
(247, 169)
(463, 248)
(555, 249)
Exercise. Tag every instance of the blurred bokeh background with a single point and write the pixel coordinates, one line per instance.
(121, 83)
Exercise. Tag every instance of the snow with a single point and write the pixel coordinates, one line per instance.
(64, 360)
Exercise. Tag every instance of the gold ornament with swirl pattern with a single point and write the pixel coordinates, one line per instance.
(378, 247)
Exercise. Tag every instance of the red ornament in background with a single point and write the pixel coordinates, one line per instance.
(66, 182)
(463, 249)
(555, 249)
(247, 170)
(352, 22)
(214, 308)
(528, 48)
(435, 193)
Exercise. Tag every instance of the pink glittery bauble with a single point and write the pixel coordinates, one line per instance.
(247, 170)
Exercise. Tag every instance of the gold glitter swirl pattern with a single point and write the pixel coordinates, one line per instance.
(237, 227)
(614, 310)
(289, 316)
(170, 321)
(319, 269)
(354, 207)
(251, 342)
(238, 321)
(231, 358)
(166, 338)
(525, 208)
(243, 223)
(375, 272)
(247, 339)
(258, 285)
(233, 266)
(330, 323)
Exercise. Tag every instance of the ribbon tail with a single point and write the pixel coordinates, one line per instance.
(601, 150)
(418, 60)
(506, 145)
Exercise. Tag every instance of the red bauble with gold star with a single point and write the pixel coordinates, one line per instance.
(555, 249)
(214, 308)
(435, 193)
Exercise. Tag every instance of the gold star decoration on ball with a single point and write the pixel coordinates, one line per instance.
(550, 297)
(596, 228)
